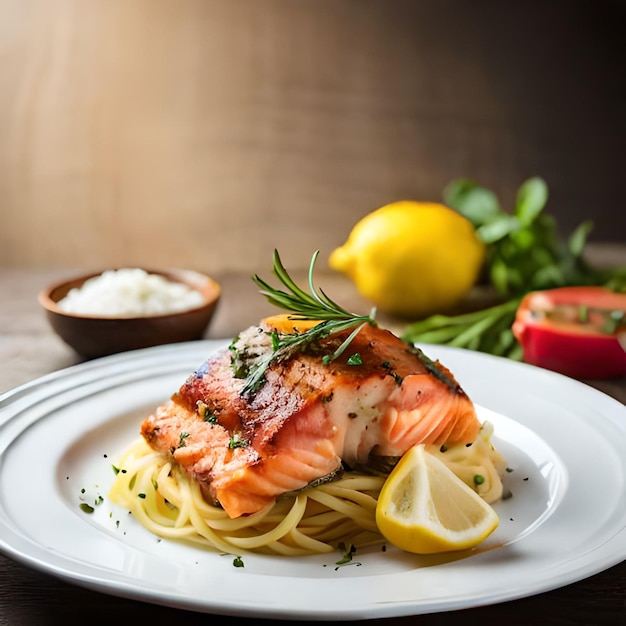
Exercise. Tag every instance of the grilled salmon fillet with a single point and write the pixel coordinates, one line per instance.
(308, 420)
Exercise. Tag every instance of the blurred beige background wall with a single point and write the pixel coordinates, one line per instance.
(204, 133)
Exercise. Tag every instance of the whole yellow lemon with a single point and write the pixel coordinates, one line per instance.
(412, 259)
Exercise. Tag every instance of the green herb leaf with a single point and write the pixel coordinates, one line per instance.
(355, 359)
(497, 228)
(315, 305)
(237, 442)
(348, 551)
(532, 197)
(578, 238)
(480, 206)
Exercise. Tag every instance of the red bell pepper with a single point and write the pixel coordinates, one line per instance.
(577, 331)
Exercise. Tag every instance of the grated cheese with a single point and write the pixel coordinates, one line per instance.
(130, 292)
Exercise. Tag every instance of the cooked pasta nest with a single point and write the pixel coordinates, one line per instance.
(316, 520)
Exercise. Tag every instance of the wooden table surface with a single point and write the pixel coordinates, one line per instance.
(29, 349)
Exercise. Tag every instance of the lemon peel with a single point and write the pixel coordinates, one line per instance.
(424, 508)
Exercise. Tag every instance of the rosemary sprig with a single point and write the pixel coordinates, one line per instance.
(316, 306)
(486, 330)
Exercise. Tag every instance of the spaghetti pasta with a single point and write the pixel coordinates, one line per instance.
(316, 520)
(480, 465)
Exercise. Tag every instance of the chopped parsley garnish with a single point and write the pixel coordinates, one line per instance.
(88, 508)
(206, 414)
(348, 551)
(355, 359)
(236, 441)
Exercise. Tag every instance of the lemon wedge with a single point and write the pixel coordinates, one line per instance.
(423, 507)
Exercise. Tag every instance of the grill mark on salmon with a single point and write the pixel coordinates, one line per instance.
(308, 420)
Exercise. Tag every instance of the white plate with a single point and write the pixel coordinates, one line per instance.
(566, 520)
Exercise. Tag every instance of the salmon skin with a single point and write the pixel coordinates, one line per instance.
(308, 420)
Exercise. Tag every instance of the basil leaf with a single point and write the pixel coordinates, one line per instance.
(455, 192)
(478, 205)
(498, 228)
(577, 240)
(532, 197)
(499, 274)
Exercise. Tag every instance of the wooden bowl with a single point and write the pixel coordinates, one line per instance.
(100, 335)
